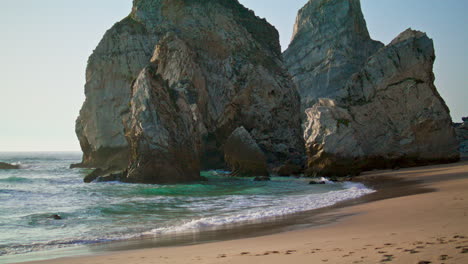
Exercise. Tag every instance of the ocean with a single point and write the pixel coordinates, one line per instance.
(100, 213)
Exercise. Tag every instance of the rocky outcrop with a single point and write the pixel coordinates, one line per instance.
(392, 115)
(172, 82)
(7, 166)
(101, 175)
(367, 106)
(462, 136)
(243, 155)
(116, 62)
(330, 43)
(163, 131)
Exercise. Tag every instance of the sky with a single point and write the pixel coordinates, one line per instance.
(45, 46)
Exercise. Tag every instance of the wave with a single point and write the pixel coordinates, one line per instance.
(262, 208)
(283, 206)
(14, 179)
(23, 249)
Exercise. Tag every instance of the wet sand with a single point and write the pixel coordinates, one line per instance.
(419, 216)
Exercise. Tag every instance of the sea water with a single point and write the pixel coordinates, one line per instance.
(102, 212)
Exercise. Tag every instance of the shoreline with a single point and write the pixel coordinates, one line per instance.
(411, 183)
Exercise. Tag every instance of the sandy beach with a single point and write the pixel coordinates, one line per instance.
(430, 226)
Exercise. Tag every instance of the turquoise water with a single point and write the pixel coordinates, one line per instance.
(103, 212)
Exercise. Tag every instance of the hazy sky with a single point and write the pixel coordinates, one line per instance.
(45, 45)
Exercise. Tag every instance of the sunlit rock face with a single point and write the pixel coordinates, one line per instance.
(367, 106)
(122, 53)
(330, 43)
(169, 84)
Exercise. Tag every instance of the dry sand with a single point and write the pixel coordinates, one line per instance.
(429, 227)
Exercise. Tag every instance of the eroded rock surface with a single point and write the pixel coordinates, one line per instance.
(243, 155)
(462, 136)
(330, 43)
(123, 52)
(367, 106)
(198, 71)
(392, 115)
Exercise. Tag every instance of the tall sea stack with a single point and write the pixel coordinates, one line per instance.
(367, 106)
(329, 44)
(169, 84)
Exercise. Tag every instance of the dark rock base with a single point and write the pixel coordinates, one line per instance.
(7, 166)
(333, 166)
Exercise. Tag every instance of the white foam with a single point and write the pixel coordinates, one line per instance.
(265, 209)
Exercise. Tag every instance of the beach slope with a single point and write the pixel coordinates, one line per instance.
(428, 227)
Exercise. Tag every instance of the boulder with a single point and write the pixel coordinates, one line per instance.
(243, 155)
(289, 169)
(100, 175)
(7, 166)
(56, 217)
(93, 175)
(262, 178)
(317, 182)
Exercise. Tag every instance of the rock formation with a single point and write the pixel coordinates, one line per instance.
(243, 155)
(116, 62)
(168, 85)
(7, 166)
(462, 136)
(377, 107)
(330, 43)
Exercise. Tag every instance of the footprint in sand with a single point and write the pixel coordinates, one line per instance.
(244, 253)
(411, 251)
(387, 258)
(271, 252)
(222, 256)
(424, 262)
(443, 257)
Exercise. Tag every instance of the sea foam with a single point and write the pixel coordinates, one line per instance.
(281, 207)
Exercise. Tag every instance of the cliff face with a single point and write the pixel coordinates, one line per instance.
(392, 116)
(377, 106)
(123, 52)
(330, 43)
(198, 71)
(462, 136)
